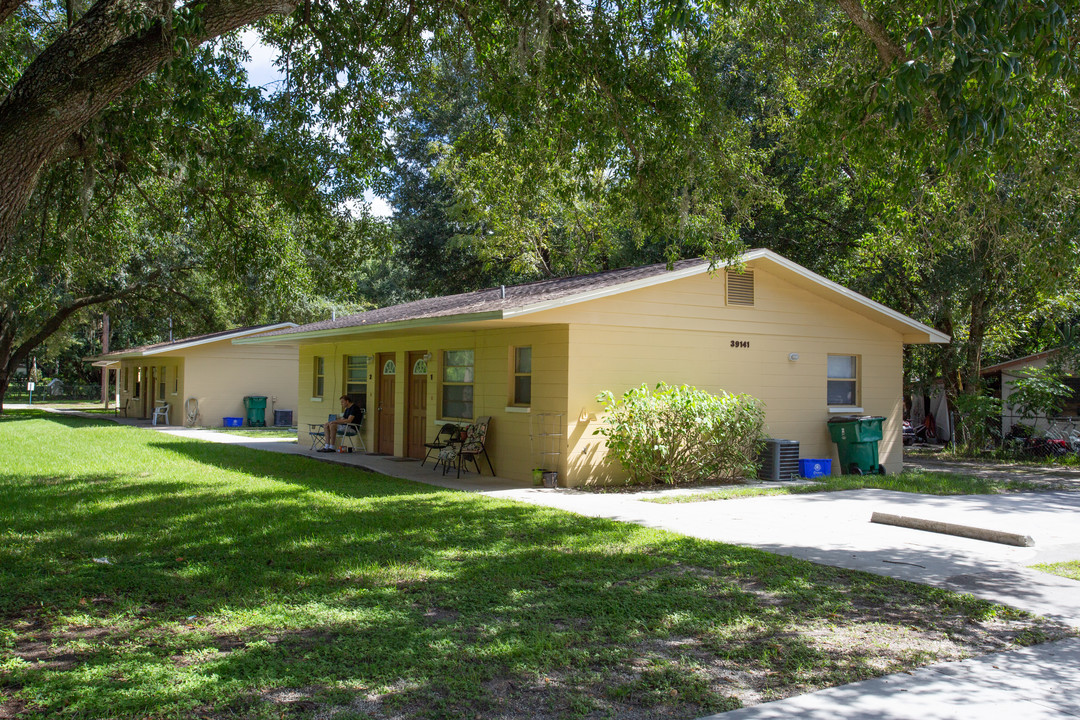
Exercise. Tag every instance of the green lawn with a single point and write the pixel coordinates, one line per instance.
(144, 575)
(1002, 457)
(1069, 569)
(928, 483)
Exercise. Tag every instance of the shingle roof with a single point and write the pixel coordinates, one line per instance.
(494, 299)
(503, 303)
(997, 367)
(156, 348)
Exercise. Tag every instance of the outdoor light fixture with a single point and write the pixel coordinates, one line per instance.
(427, 357)
(793, 357)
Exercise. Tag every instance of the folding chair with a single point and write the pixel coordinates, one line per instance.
(446, 435)
(317, 433)
(353, 432)
(471, 449)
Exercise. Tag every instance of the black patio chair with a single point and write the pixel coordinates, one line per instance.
(447, 433)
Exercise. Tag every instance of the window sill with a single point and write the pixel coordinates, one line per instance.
(845, 409)
(455, 421)
(518, 409)
(316, 399)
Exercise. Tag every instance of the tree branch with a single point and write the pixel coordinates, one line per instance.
(8, 8)
(80, 74)
(888, 50)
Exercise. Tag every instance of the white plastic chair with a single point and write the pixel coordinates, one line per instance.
(161, 412)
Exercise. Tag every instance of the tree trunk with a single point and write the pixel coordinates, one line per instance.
(79, 75)
(12, 352)
(104, 351)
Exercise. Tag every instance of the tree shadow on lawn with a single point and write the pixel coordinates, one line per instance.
(338, 583)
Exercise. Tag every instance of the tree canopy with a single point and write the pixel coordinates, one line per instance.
(927, 147)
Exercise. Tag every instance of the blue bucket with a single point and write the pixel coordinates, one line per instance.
(815, 467)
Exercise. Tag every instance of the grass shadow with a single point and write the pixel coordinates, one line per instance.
(194, 578)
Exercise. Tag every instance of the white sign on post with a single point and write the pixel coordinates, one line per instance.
(30, 386)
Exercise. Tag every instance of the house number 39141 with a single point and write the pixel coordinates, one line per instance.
(740, 343)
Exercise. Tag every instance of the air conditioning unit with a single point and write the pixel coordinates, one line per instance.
(779, 460)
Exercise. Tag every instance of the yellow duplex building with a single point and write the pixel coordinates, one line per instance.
(205, 375)
(533, 357)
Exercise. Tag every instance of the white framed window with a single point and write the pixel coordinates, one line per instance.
(521, 376)
(457, 384)
(161, 383)
(318, 377)
(843, 381)
(356, 372)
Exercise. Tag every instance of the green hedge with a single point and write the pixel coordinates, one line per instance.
(682, 434)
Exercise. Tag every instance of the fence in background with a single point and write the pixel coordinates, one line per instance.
(58, 392)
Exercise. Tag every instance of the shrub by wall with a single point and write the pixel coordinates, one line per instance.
(682, 434)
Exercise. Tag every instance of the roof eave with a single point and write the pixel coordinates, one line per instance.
(173, 347)
(922, 335)
(291, 338)
(1001, 366)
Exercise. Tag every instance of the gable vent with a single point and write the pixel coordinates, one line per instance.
(740, 288)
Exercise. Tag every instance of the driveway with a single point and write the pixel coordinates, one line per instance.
(835, 529)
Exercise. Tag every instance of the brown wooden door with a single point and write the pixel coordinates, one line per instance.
(384, 411)
(416, 402)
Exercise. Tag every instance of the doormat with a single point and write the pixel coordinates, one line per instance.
(401, 459)
(385, 455)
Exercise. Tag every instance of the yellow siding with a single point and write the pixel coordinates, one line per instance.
(148, 398)
(218, 375)
(509, 441)
(678, 332)
(681, 332)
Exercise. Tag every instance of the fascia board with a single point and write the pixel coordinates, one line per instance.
(1020, 361)
(934, 336)
(365, 329)
(220, 338)
(173, 347)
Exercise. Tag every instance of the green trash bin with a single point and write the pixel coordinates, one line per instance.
(256, 410)
(856, 438)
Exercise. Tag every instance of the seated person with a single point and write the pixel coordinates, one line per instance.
(350, 413)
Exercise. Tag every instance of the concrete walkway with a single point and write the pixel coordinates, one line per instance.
(835, 529)
(1035, 683)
